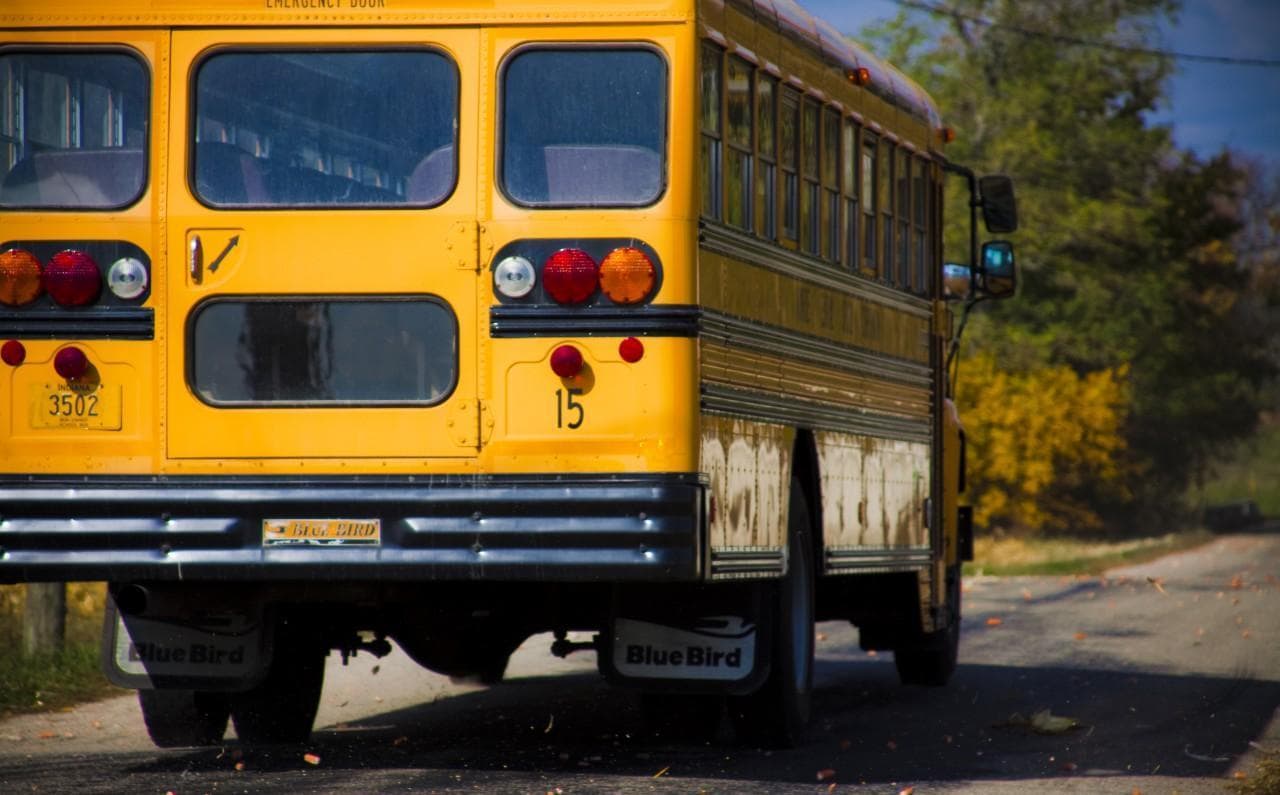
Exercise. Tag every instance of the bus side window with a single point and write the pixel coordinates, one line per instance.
(903, 189)
(885, 200)
(811, 152)
(767, 147)
(870, 184)
(849, 180)
(712, 59)
(830, 184)
(738, 139)
(788, 156)
(919, 183)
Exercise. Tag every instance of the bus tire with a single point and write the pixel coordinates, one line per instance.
(184, 718)
(777, 714)
(282, 707)
(931, 660)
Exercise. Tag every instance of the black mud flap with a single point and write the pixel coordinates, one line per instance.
(227, 652)
(716, 640)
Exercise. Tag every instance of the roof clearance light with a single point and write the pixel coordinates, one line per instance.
(70, 363)
(566, 361)
(570, 276)
(631, 350)
(626, 275)
(127, 278)
(514, 277)
(859, 77)
(19, 277)
(946, 134)
(13, 353)
(73, 278)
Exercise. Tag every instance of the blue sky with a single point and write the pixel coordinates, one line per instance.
(1210, 105)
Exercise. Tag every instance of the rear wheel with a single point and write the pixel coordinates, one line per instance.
(778, 712)
(282, 707)
(181, 718)
(931, 660)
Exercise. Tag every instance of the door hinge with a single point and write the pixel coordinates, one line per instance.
(470, 423)
(462, 245)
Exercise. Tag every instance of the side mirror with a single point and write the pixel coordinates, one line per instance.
(999, 207)
(957, 281)
(998, 274)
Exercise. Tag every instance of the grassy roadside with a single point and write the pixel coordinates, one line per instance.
(54, 681)
(1056, 556)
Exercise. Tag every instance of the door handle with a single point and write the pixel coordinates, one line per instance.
(195, 259)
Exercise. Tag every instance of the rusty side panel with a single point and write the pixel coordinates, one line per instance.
(748, 466)
(874, 492)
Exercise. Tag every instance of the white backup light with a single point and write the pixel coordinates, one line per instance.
(514, 277)
(127, 278)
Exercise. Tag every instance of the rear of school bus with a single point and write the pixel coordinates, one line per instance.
(328, 321)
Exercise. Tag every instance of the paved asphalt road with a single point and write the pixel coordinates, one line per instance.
(1172, 670)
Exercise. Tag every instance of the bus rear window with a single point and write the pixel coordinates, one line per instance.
(73, 129)
(314, 352)
(325, 129)
(584, 127)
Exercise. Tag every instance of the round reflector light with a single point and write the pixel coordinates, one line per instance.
(19, 277)
(73, 278)
(626, 275)
(566, 361)
(70, 363)
(570, 276)
(514, 277)
(631, 350)
(13, 353)
(127, 278)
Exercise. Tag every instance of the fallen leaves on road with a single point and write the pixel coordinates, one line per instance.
(1158, 583)
(1081, 635)
(311, 759)
(551, 721)
(906, 790)
(1186, 750)
(399, 741)
(1042, 722)
(826, 774)
(662, 772)
(820, 636)
(993, 621)
(239, 766)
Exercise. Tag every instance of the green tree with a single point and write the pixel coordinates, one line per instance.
(1127, 245)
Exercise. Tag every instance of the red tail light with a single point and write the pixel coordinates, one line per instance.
(19, 277)
(70, 363)
(570, 276)
(13, 353)
(566, 361)
(72, 278)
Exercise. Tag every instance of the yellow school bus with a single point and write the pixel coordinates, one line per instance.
(331, 323)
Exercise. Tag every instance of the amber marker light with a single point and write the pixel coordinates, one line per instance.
(70, 363)
(13, 353)
(19, 277)
(566, 361)
(946, 134)
(631, 350)
(627, 276)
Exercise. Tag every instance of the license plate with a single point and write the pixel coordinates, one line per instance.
(321, 532)
(62, 406)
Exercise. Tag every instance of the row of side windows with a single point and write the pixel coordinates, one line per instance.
(779, 164)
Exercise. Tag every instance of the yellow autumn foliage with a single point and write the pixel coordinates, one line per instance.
(1043, 444)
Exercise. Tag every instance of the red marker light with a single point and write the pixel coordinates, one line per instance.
(70, 363)
(13, 353)
(72, 278)
(631, 350)
(569, 276)
(566, 361)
